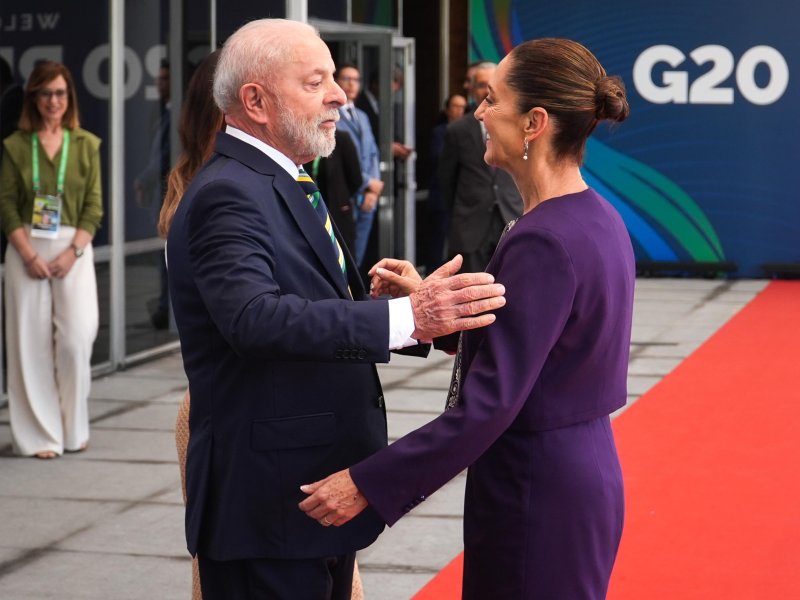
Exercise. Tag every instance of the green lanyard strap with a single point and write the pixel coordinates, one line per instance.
(62, 168)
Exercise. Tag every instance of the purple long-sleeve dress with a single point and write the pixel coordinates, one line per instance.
(544, 499)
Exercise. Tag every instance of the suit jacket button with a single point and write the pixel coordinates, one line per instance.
(338, 354)
(362, 354)
(381, 402)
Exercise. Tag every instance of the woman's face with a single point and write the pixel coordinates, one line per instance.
(504, 125)
(52, 100)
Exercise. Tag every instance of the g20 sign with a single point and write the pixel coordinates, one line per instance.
(708, 88)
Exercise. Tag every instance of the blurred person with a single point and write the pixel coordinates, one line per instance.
(531, 395)
(480, 198)
(355, 122)
(400, 151)
(279, 339)
(436, 211)
(150, 185)
(367, 101)
(50, 164)
(467, 85)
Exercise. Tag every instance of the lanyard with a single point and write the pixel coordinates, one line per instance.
(62, 168)
(315, 168)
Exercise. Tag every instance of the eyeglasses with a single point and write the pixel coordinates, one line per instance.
(47, 94)
(350, 79)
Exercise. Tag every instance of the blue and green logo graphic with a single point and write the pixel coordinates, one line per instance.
(664, 221)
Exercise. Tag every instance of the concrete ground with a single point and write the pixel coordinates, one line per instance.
(108, 523)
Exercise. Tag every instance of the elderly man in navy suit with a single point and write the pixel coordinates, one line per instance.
(279, 339)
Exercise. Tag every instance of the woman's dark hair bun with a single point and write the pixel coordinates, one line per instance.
(610, 100)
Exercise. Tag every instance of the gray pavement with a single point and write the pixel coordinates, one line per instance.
(107, 523)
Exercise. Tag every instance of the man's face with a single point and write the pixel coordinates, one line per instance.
(350, 81)
(480, 84)
(305, 103)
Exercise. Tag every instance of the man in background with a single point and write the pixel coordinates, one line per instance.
(481, 199)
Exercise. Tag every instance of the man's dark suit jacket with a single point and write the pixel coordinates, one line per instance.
(471, 188)
(280, 362)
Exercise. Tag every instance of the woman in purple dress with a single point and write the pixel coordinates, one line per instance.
(532, 393)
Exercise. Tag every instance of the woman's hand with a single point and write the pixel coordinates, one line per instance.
(36, 268)
(393, 277)
(334, 500)
(62, 264)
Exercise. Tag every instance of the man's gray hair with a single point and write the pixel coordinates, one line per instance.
(485, 65)
(252, 54)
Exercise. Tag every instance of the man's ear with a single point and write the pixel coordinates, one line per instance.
(535, 122)
(255, 103)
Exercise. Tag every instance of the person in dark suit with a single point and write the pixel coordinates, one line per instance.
(436, 214)
(338, 177)
(481, 198)
(279, 339)
(531, 395)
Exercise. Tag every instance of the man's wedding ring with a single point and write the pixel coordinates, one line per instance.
(325, 521)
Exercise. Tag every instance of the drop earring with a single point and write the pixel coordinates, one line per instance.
(525, 153)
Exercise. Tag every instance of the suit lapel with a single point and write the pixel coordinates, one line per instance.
(290, 192)
(313, 230)
(476, 134)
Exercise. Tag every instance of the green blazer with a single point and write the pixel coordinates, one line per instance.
(82, 201)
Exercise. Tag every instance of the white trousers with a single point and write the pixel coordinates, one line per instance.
(50, 329)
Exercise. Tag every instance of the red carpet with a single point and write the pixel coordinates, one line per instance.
(711, 458)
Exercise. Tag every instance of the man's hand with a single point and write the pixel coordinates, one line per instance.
(401, 151)
(394, 277)
(370, 202)
(375, 185)
(444, 302)
(334, 500)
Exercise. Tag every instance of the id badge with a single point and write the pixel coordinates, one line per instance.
(46, 217)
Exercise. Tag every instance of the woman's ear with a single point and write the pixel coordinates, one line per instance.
(535, 122)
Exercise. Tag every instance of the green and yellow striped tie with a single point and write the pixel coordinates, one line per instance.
(312, 193)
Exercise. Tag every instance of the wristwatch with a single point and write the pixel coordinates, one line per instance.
(77, 250)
